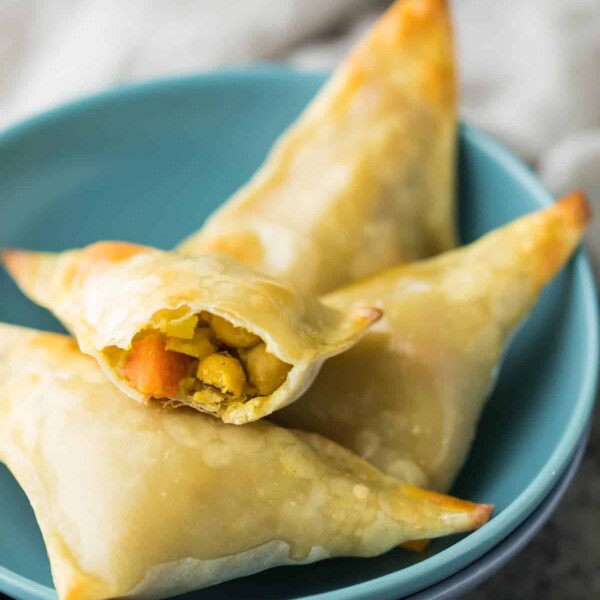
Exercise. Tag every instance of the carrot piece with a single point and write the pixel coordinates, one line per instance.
(154, 370)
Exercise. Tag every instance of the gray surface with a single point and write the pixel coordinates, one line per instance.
(563, 560)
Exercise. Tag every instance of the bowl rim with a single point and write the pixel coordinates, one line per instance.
(471, 547)
(490, 563)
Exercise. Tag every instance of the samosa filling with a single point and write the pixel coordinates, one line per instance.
(205, 359)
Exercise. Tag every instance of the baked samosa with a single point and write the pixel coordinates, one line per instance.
(364, 179)
(148, 501)
(203, 331)
(409, 395)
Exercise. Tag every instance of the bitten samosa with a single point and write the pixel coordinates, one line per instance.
(203, 331)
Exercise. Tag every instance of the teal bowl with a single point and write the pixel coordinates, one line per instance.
(148, 163)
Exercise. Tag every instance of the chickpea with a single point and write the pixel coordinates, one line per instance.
(223, 372)
(265, 371)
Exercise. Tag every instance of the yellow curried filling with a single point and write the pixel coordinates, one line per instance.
(203, 358)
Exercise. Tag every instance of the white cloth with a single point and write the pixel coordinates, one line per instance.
(530, 68)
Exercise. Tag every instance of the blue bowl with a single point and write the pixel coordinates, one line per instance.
(476, 573)
(148, 163)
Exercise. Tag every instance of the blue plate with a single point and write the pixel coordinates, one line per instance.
(149, 163)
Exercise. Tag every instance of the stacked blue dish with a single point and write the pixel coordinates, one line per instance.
(179, 139)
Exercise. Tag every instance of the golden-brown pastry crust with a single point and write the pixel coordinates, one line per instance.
(408, 396)
(364, 179)
(147, 502)
(109, 292)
